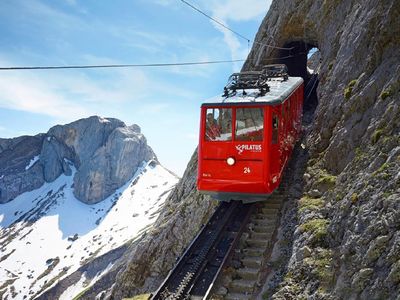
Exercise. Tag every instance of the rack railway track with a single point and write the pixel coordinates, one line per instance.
(245, 272)
(197, 269)
(236, 231)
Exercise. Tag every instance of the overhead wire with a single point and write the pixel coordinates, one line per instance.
(159, 64)
(215, 20)
(120, 65)
(133, 65)
(233, 31)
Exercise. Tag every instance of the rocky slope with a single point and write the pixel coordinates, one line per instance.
(342, 235)
(346, 240)
(105, 152)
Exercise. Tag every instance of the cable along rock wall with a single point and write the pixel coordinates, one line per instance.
(346, 241)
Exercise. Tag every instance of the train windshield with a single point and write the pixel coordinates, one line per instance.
(218, 124)
(249, 124)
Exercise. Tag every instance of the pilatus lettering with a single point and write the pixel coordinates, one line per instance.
(250, 148)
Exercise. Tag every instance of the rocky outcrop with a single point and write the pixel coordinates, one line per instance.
(16, 156)
(348, 217)
(105, 152)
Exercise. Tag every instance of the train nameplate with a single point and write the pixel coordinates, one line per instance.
(248, 148)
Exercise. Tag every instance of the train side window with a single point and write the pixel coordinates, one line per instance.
(218, 124)
(249, 124)
(275, 129)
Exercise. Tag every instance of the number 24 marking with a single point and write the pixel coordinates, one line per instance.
(246, 170)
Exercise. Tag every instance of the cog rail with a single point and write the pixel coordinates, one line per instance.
(196, 271)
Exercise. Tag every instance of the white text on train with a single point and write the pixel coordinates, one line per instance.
(250, 148)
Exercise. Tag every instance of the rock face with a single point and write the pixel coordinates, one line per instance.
(15, 155)
(348, 217)
(344, 230)
(105, 152)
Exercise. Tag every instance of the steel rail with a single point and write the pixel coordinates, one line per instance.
(235, 232)
(180, 279)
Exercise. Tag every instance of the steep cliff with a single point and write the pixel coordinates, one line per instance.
(341, 239)
(105, 152)
(346, 239)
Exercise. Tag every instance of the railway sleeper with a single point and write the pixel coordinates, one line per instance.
(268, 211)
(252, 261)
(276, 205)
(242, 286)
(259, 216)
(266, 236)
(257, 243)
(262, 228)
(248, 273)
(253, 251)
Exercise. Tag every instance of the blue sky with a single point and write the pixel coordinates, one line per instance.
(165, 102)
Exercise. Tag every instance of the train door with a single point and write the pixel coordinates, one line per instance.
(276, 149)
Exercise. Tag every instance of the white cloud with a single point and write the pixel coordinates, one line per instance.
(239, 10)
(27, 93)
(66, 95)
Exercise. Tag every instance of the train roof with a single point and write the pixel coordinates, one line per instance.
(279, 90)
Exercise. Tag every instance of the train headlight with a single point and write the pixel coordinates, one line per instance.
(230, 161)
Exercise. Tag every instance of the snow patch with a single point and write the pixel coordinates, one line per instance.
(74, 290)
(32, 162)
(42, 220)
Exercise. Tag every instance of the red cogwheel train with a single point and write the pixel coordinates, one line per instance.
(247, 135)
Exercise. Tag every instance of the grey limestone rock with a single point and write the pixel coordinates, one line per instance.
(15, 157)
(104, 151)
(112, 164)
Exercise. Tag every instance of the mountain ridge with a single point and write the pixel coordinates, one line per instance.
(98, 147)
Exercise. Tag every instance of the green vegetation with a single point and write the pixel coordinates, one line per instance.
(330, 66)
(77, 297)
(327, 179)
(347, 93)
(349, 89)
(319, 229)
(376, 136)
(354, 197)
(381, 172)
(339, 196)
(308, 203)
(360, 154)
(386, 93)
(352, 83)
(322, 267)
(382, 168)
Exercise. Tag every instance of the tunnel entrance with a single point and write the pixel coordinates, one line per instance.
(303, 60)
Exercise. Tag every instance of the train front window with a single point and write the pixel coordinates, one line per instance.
(249, 124)
(218, 124)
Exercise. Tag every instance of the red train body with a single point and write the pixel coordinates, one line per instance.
(247, 137)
